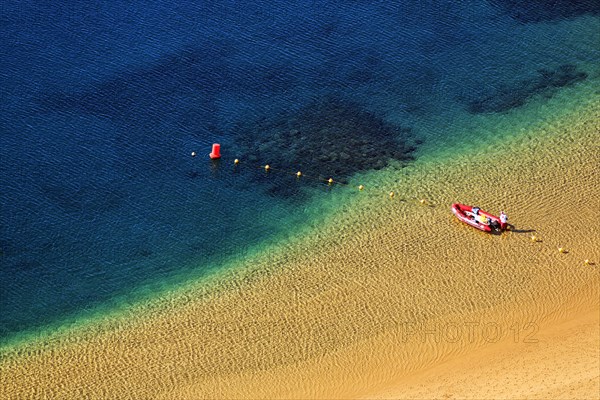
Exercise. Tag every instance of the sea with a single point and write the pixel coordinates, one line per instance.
(103, 103)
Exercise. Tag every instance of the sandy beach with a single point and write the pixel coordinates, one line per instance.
(387, 298)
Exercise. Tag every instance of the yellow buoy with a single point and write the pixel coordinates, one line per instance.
(298, 174)
(361, 187)
(562, 250)
(267, 167)
(422, 201)
(587, 262)
(534, 238)
(392, 194)
(236, 161)
(330, 181)
(193, 154)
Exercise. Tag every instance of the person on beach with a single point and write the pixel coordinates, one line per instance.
(475, 211)
(480, 218)
(503, 220)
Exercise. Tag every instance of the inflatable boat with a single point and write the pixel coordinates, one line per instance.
(477, 218)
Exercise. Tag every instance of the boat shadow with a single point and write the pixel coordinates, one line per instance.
(522, 230)
(512, 229)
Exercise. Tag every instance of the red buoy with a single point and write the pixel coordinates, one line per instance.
(216, 151)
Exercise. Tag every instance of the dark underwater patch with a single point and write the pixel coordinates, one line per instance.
(87, 199)
(28, 264)
(152, 93)
(174, 86)
(510, 97)
(531, 11)
(327, 138)
(9, 248)
(351, 68)
(176, 97)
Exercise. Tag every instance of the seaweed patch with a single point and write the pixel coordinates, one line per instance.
(330, 137)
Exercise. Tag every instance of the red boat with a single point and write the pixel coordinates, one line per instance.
(478, 218)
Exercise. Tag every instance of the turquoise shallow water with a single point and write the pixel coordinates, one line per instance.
(104, 104)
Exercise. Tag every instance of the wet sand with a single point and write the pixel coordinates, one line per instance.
(389, 298)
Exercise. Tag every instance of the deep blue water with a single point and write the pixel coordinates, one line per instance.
(103, 102)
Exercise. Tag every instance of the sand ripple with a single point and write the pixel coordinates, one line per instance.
(377, 296)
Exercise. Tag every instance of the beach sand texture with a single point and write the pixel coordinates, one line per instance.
(387, 298)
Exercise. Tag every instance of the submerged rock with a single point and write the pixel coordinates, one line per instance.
(546, 10)
(510, 97)
(327, 138)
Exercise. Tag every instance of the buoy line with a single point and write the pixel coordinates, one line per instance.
(216, 155)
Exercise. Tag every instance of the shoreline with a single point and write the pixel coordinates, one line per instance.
(432, 159)
(367, 275)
